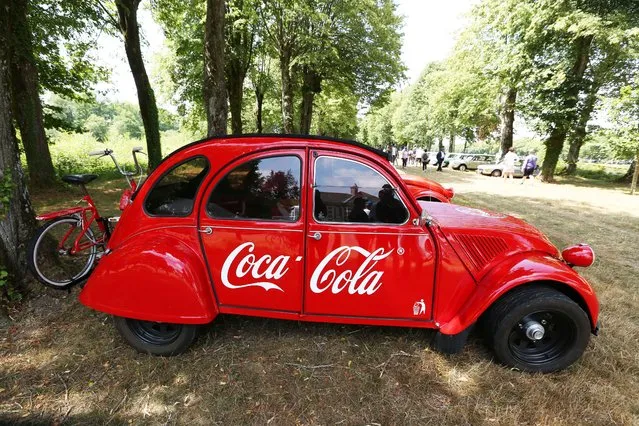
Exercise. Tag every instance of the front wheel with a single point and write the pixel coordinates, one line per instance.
(51, 256)
(462, 168)
(156, 338)
(538, 329)
(496, 173)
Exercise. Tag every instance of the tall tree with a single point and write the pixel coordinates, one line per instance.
(127, 23)
(625, 116)
(16, 216)
(215, 92)
(283, 22)
(241, 26)
(25, 92)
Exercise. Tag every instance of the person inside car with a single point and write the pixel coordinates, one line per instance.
(389, 209)
(358, 214)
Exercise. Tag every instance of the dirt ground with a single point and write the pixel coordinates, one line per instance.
(62, 363)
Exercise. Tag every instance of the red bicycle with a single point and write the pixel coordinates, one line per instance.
(64, 250)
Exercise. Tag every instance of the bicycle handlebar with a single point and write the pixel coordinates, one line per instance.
(127, 175)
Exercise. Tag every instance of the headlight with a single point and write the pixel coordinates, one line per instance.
(578, 255)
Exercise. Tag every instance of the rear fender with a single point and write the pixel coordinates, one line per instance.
(518, 270)
(157, 276)
(61, 213)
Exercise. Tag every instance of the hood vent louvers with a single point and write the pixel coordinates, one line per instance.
(480, 249)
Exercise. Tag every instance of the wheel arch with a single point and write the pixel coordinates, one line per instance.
(508, 277)
(158, 276)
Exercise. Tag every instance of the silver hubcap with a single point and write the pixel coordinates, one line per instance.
(534, 330)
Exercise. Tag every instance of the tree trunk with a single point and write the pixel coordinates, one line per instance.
(555, 142)
(214, 82)
(451, 143)
(635, 175)
(25, 96)
(287, 91)
(554, 145)
(310, 87)
(508, 119)
(441, 143)
(259, 97)
(127, 12)
(16, 216)
(579, 134)
(236, 93)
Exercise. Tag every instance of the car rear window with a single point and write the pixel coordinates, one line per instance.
(174, 193)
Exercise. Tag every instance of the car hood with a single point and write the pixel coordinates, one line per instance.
(483, 238)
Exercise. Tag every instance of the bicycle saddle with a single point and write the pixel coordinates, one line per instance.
(78, 179)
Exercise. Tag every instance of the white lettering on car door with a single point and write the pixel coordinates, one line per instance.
(365, 280)
(242, 262)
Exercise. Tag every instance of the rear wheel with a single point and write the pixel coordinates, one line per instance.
(156, 338)
(50, 256)
(462, 168)
(538, 329)
(496, 173)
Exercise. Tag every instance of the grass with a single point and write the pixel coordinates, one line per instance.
(60, 362)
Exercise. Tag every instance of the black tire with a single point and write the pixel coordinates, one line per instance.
(496, 173)
(156, 338)
(462, 168)
(566, 329)
(49, 264)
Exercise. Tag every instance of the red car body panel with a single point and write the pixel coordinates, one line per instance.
(425, 189)
(438, 272)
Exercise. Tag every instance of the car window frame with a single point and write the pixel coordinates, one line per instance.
(213, 184)
(313, 187)
(164, 174)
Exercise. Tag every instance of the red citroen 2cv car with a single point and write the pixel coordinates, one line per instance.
(324, 230)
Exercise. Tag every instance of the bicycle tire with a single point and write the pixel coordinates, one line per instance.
(45, 274)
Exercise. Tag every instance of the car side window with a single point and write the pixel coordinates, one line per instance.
(349, 191)
(260, 189)
(174, 193)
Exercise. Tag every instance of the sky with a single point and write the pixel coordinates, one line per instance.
(430, 27)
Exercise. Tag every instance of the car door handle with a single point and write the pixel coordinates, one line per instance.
(206, 230)
(316, 236)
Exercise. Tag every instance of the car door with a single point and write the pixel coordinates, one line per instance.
(252, 231)
(366, 255)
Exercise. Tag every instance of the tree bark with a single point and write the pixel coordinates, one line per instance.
(579, 134)
(508, 119)
(236, 93)
(128, 22)
(214, 61)
(555, 142)
(287, 91)
(451, 143)
(635, 175)
(25, 96)
(259, 98)
(16, 217)
(312, 85)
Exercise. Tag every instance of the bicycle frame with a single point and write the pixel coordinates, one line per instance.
(87, 216)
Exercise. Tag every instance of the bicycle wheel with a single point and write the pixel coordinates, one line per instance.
(49, 253)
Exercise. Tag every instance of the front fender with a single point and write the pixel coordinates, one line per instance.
(158, 276)
(521, 269)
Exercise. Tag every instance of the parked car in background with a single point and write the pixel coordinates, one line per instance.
(497, 170)
(451, 157)
(471, 161)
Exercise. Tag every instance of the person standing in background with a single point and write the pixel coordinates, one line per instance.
(509, 164)
(394, 154)
(440, 159)
(425, 160)
(528, 166)
(404, 157)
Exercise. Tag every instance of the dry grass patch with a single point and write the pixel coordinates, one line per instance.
(62, 362)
